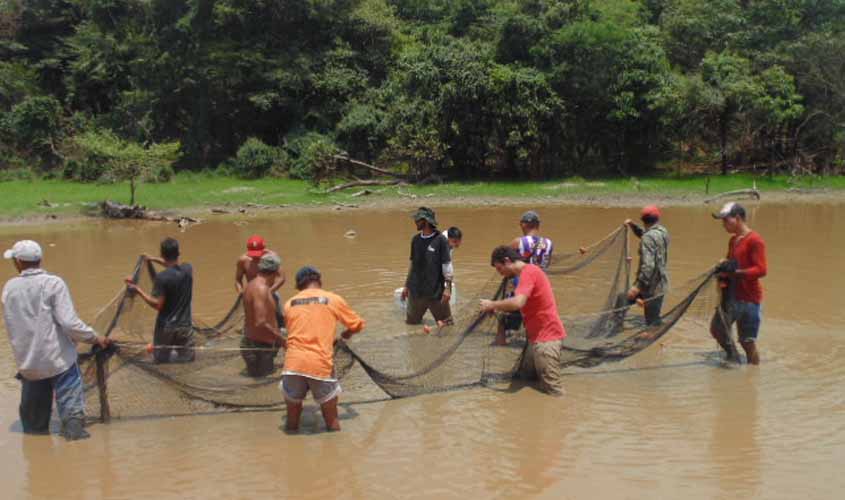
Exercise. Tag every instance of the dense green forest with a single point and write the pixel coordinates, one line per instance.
(456, 89)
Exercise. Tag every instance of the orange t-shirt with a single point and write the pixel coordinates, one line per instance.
(311, 318)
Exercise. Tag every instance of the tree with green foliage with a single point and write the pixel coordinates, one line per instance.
(128, 160)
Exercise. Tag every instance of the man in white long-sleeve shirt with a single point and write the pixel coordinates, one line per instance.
(43, 329)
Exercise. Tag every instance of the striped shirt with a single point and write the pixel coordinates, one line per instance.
(536, 250)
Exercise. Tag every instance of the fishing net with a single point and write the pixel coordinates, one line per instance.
(390, 360)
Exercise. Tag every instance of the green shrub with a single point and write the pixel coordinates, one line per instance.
(16, 174)
(311, 156)
(256, 159)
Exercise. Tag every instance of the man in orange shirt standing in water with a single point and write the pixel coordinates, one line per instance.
(312, 316)
(740, 275)
(535, 299)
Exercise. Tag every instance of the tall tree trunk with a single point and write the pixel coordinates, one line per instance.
(723, 144)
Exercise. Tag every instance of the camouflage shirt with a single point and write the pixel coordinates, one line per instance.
(652, 276)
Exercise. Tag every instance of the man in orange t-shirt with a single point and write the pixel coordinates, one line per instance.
(311, 318)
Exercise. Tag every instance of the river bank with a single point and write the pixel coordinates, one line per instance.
(205, 196)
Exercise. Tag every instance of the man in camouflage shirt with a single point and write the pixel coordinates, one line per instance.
(652, 279)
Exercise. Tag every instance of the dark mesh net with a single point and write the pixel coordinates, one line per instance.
(589, 289)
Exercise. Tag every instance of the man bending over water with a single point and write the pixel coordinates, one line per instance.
(261, 340)
(534, 297)
(171, 296)
(312, 316)
(740, 277)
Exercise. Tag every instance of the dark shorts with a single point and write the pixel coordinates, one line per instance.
(180, 339)
(417, 306)
(746, 315)
(259, 357)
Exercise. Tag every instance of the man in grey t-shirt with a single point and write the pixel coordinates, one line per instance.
(43, 329)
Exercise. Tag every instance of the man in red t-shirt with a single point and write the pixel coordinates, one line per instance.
(535, 299)
(740, 275)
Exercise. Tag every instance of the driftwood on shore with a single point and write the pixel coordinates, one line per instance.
(371, 182)
(372, 168)
(753, 193)
(114, 210)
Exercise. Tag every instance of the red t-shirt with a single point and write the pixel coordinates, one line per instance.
(750, 254)
(542, 323)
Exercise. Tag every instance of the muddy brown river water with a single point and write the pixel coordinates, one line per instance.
(667, 423)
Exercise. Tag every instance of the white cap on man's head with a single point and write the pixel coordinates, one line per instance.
(25, 250)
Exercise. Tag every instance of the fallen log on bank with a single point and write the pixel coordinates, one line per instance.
(114, 210)
(753, 192)
(370, 167)
(348, 185)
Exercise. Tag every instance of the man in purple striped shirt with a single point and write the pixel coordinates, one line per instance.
(534, 249)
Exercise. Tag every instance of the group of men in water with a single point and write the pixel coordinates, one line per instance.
(43, 326)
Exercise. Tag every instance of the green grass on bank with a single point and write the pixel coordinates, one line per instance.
(192, 190)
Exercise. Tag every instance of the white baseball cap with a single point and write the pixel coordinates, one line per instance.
(25, 250)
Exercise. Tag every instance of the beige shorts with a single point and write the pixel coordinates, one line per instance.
(541, 362)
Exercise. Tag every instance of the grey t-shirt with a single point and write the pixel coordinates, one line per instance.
(176, 285)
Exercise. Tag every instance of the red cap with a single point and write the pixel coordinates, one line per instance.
(255, 246)
(650, 211)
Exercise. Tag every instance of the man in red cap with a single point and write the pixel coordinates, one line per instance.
(247, 266)
(652, 279)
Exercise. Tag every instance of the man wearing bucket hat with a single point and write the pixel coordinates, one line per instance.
(652, 278)
(428, 286)
(43, 328)
(262, 337)
(742, 293)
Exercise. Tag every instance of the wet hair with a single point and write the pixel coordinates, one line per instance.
(307, 275)
(503, 252)
(454, 233)
(169, 249)
(649, 219)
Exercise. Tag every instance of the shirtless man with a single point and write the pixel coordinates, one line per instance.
(262, 338)
(247, 266)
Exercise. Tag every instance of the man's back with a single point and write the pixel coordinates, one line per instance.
(536, 250)
(311, 318)
(249, 267)
(35, 306)
(175, 284)
(257, 291)
(652, 271)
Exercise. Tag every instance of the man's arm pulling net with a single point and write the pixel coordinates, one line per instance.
(387, 360)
